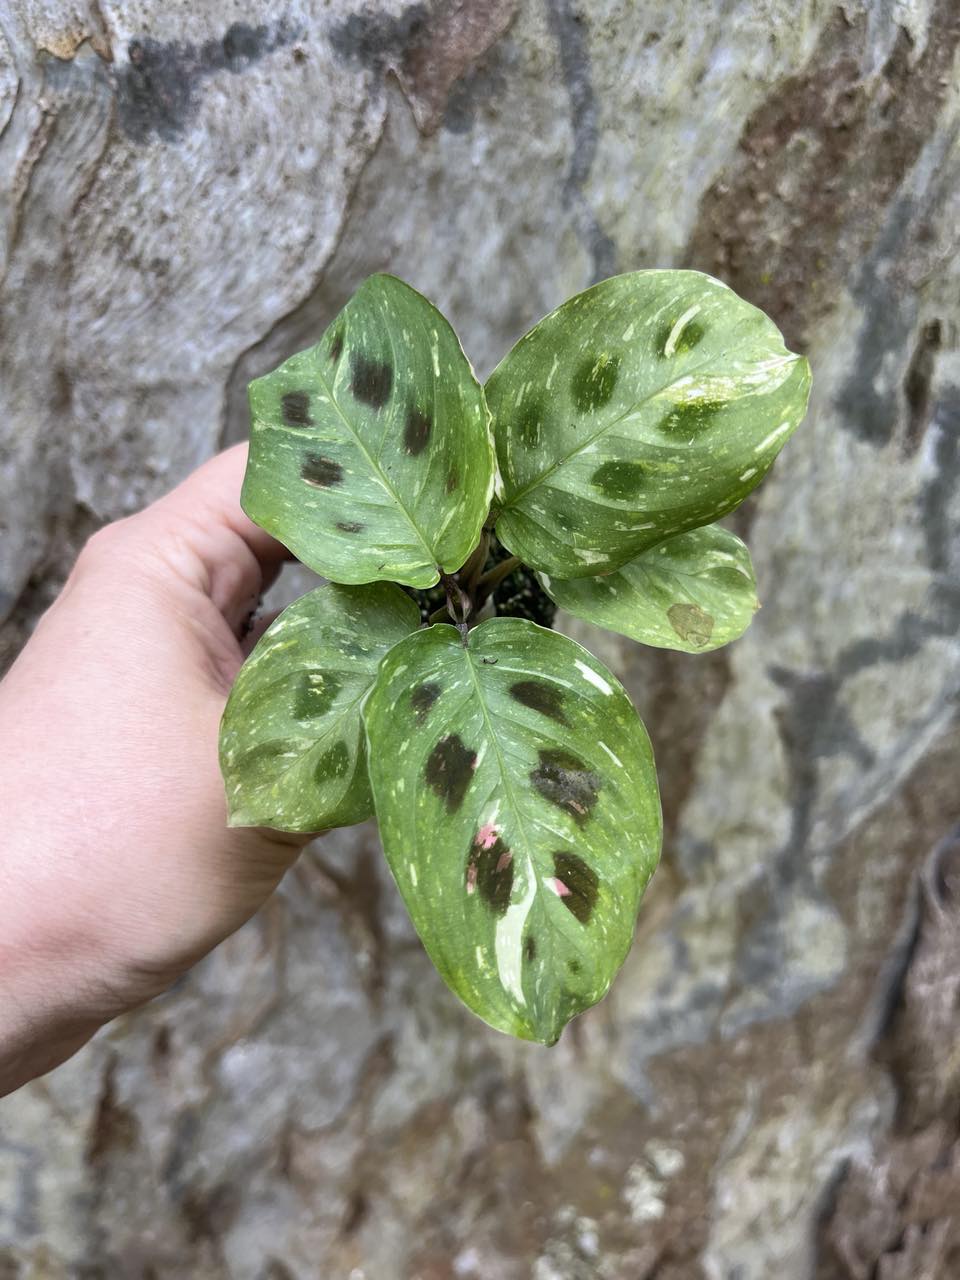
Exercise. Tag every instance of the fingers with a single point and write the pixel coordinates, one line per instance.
(201, 532)
(255, 631)
(215, 487)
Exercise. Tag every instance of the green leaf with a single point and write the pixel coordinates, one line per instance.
(292, 747)
(370, 453)
(649, 405)
(517, 798)
(693, 592)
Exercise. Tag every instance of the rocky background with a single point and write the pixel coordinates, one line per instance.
(191, 190)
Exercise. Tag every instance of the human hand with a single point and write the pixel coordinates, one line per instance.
(118, 870)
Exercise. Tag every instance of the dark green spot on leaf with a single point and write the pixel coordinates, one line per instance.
(619, 480)
(529, 948)
(321, 472)
(540, 696)
(453, 480)
(314, 694)
(260, 758)
(577, 884)
(566, 782)
(353, 649)
(333, 763)
(688, 337)
(691, 418)
(449, 770)
(371, 381)
(691, 623)
(530, 415)
(594, 381)
(336, 346)
(295, 407)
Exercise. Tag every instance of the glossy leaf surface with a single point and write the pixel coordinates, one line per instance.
(370, 453)
(651, 404)
(693, 592)
(292, 746)
(517, 798)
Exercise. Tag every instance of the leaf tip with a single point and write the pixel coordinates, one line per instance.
(545, 1024)
(548, 1039)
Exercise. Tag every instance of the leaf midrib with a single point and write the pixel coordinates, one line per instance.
(511, 798)
(377, 470)
(302, 756)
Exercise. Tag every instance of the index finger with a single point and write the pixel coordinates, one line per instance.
(203, 533)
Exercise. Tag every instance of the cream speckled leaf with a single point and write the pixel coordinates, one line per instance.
(517, 798)
(693, 592)
(370, 453)
(292, 747)
(651, 404)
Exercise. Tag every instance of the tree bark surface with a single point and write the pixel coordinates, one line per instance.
(191, 191)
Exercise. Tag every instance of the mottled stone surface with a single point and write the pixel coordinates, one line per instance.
(190, 193)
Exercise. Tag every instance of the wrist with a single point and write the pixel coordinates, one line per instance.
(52, 999)
(62, 974)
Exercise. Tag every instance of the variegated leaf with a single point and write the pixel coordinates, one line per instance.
(694, 592)
(651, 404)
(370, 453)
(517, 798)
(292, 747)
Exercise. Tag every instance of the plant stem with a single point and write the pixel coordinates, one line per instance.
(465, 601)
(489, 581)
(471, 571)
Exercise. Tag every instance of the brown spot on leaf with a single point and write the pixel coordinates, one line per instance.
(529, 948)
(490, 870)
(691, 623)
(336, 346)
(295, 407)
(453, 480)
(449, 770)
(321, 472)
(423, 698)
(540, 696)
(582, 884)
(350, 526)
(566, 782)
(372, 381)
(416, 431)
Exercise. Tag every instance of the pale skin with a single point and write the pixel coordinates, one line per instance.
(118, 871)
